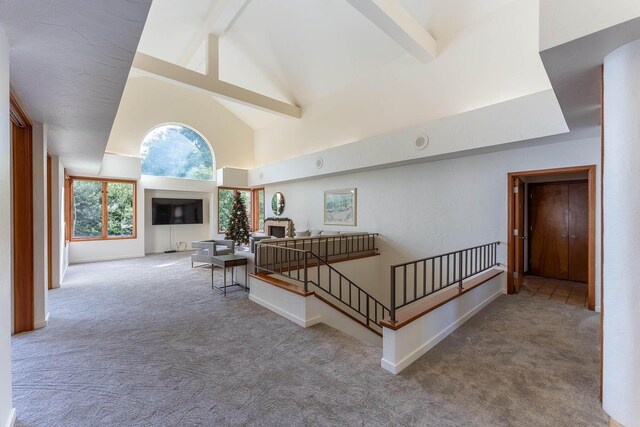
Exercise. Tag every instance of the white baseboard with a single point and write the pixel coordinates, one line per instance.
(39, 325)
(415, 355)
(12, 418)
(58, 284)
(295, 319)
(313, 321)
(44, 323)
(84, 261)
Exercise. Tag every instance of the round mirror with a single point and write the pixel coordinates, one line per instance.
(277, 203)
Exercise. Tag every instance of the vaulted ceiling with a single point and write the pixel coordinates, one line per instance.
(294, 51)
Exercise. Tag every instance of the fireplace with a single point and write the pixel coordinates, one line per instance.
(279, 228)
(277, 231)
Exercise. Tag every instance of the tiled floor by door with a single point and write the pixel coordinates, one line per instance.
(560, 291)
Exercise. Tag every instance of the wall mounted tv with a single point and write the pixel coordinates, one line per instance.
(176, 211)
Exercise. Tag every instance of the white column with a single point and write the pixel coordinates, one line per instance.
(40, 255)
(621, 245)
(6, 412)
(57, 221)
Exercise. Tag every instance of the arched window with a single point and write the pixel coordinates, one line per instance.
(176, 151)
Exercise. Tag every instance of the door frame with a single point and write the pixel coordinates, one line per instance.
(49, 224)
(591, 179)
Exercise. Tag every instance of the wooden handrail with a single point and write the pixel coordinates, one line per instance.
(427, 305)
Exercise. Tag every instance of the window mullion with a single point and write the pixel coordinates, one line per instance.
(105, 210)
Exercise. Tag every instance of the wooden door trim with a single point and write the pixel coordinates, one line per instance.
(16, 113)
(591, 179)
(49, 224)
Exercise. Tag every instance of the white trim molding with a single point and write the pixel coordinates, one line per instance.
(404, 346)
(12, 418)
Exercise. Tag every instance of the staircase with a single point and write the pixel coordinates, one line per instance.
(303, 266)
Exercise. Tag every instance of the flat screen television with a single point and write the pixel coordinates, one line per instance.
(176, 211)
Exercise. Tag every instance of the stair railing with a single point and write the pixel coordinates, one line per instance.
(329, 246)
(294, 264)
(423, 277)
(353, 296)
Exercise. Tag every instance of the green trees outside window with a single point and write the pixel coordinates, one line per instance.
(252, 199)
(176, 151)
(87, 209)
(261, 209)
(90, 197)
(120, 215)
(225, 203)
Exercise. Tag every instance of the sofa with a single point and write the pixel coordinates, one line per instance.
(205, 249)
(327, 245)
(255, 239)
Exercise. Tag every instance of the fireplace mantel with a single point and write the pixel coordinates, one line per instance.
(286, 223)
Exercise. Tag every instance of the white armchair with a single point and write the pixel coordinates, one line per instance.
(210, 248)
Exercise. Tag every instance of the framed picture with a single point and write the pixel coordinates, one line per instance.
(340, 207)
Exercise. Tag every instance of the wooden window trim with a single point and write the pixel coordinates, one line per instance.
(254, 203)
(255, 213)
(105, 209)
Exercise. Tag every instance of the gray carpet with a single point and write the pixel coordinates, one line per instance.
(146, 342)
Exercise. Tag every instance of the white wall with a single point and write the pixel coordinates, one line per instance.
(436, 207)
(232, 177)
(159, 238)
(147, 103)
(621, 316)
(6, 412)
(121, 167)
(40, 254)
(566, 20)
(404, 346)
(58, 247)
(481, 129)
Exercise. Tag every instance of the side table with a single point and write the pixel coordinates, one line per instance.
(233, 261)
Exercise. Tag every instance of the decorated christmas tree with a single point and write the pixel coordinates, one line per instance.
(238, 228)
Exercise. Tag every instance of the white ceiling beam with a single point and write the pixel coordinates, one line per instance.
(220, 19)
(397, 23)
(211, 85)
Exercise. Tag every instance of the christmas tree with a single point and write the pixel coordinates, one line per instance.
(238, 227)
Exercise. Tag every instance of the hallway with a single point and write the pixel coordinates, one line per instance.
(560, 291)
(146, 342)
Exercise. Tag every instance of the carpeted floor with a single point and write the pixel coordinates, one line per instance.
(146, 342)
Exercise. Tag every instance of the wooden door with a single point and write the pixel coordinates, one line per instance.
(579, 232)
(549, 216)
(22, 218)
(519, 232)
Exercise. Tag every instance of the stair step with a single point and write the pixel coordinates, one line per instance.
(287, 286)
